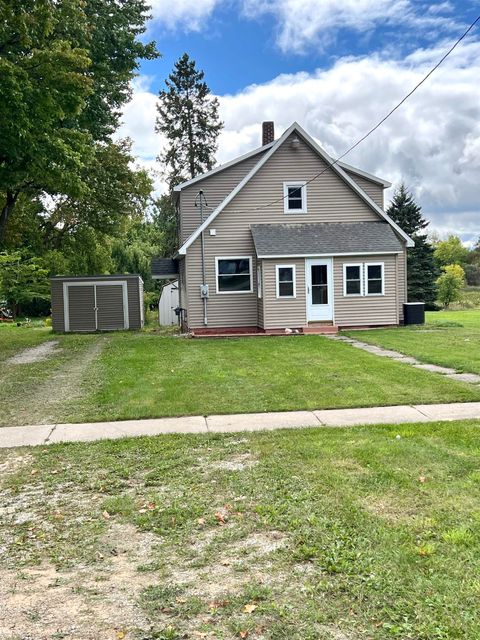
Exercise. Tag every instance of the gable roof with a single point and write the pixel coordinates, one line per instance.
(265, 157)
(324, 238)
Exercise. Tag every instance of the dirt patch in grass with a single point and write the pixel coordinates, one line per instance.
(35, 354)
(238, 462)
(89, 602)
(391, 509)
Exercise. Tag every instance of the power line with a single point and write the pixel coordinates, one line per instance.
(380, 122)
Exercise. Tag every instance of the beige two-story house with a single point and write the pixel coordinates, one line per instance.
(281, 238)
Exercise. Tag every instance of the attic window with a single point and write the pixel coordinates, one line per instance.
(295, 197)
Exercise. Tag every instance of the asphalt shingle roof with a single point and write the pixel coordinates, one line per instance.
(164, 267)
(324, 238)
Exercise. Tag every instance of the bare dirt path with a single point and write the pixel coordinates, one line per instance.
(34, 354)
(47, 402)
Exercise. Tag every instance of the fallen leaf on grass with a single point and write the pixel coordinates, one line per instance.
(243, 634)
(249, 608)
(422, 479)
(201, 521)
(225, 563)
(221, 519)
(120, 635)
(106, 515)
(217, 604)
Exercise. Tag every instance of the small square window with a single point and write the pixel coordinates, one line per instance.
(286, 281)
(352, 280)
(295, 197)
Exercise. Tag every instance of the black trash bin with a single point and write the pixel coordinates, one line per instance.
(414, 313)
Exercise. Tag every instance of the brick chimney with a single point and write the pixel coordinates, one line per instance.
(268, 132)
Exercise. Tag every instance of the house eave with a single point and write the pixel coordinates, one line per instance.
(327, 255)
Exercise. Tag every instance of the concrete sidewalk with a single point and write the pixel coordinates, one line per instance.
(48, 434)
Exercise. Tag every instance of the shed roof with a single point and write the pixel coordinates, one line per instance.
(329, 238)
(164, 268)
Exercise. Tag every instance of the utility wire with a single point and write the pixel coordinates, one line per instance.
(391, 112)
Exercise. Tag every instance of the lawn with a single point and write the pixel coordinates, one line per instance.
(352, 534)
(141, 375)
(449, 338)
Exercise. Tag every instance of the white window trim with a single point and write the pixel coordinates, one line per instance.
(294, 279)
(295, 183)
(352, 264)
(259, 281)
(374, 264)
(235, 293)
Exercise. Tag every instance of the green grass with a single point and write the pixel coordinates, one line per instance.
(144, 376)
(326, 531)
(147, 374)
(449, 338)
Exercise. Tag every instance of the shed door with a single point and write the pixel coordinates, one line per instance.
(110, 307)
(81, 308)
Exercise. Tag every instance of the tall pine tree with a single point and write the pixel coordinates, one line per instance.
(421, 268)
(188, 118)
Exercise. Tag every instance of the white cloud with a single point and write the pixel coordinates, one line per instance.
(189, 15)
(432, 142)
(302, 24)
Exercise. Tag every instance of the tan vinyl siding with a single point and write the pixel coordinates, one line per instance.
(366, 310)
(223, 309)
(283, 313)
(402, 282)
(372, 189)
(329, 198)
(216, 188)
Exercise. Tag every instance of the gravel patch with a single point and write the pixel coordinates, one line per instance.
(35, 354)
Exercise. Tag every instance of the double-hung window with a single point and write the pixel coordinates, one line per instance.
(352, 280)
(295, 197)
(234, 275)
(374, 279)
(286, 286)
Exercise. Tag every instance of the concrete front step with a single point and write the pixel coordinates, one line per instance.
(320, 329)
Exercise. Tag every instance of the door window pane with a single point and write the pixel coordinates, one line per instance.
(319, 274)
(320, 294)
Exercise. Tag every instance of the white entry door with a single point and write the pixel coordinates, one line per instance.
(319, 281)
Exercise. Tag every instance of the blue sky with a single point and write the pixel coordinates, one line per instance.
(336, 67)
(237, 49)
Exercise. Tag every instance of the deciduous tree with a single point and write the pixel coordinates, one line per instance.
(450, 284)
